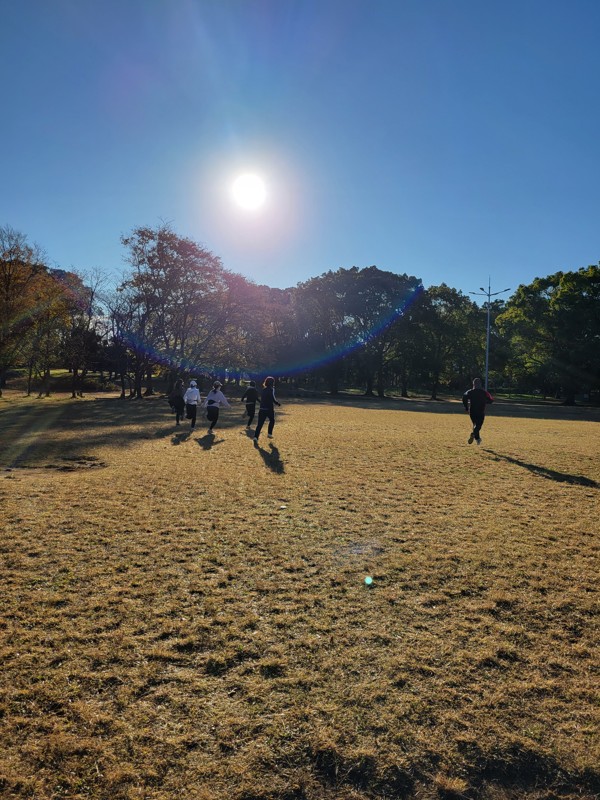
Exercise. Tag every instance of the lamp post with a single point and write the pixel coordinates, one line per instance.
(489, 295)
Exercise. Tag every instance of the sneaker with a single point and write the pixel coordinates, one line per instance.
(255, 440)
(478, 441)
(470, 439)
(269, 435)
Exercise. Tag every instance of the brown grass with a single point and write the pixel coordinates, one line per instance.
(187, 618)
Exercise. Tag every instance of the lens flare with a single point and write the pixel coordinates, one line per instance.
(291, 367)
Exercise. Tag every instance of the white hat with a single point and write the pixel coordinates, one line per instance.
(193, 384)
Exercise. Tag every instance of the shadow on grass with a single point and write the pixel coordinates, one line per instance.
(32, 434)
(501, 408)
(208, 441)
(543, 472)
(516, 768)
(271, 458)
(178, 438)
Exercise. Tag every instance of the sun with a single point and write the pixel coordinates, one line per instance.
(249, 191)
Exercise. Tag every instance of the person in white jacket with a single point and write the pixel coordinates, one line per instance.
(192, 398)
(214, 400)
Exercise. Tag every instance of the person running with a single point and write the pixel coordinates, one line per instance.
(475, 400)
(176, 400)
(191, 398)
(250, 396)
(214, 399)
(266, 410)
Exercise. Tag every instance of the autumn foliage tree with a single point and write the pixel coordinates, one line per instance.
(21, 272)
(173, 305)
(179, 312)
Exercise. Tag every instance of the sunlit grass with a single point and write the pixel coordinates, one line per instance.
(187, 617)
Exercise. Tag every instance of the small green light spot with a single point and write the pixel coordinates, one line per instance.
(368, 580)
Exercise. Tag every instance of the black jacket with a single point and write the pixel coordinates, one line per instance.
(250, 395)
(267, 399)
(475, 400)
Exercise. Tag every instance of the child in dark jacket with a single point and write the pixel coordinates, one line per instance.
(266, 410)
(250, 396)
(176, 400)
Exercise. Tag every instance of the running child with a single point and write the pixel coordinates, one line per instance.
(191, 398)
(250, 396)
(266, 410)
(214, 399)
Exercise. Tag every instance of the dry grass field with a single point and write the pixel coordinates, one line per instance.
(186, 617)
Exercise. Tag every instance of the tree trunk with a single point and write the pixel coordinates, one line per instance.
(137, 383)
(380, 384)
(403, 384)
(45, 387)
(29, 376)
(149, 386)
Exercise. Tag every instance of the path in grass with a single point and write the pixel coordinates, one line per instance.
(186, 616)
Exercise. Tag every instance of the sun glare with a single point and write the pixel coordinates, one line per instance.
(249, 191)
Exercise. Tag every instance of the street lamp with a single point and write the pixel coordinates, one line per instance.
(489, 295)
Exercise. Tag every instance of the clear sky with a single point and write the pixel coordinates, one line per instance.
(449, 139)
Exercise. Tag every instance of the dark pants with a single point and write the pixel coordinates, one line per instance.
(179, 412)
(251, 411)
(477, 420)
(263, 414)
(212, 415)
(190, 412)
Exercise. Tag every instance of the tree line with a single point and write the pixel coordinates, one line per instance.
(179, 312)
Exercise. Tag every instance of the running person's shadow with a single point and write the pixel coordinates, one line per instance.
(178, 438)
(209, 441)
(551, 474)
(272, 458)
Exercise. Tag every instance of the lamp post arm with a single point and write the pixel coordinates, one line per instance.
(488, 294)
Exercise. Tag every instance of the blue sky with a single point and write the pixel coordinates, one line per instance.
(449, 139)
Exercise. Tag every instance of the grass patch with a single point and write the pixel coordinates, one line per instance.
(186, 616)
